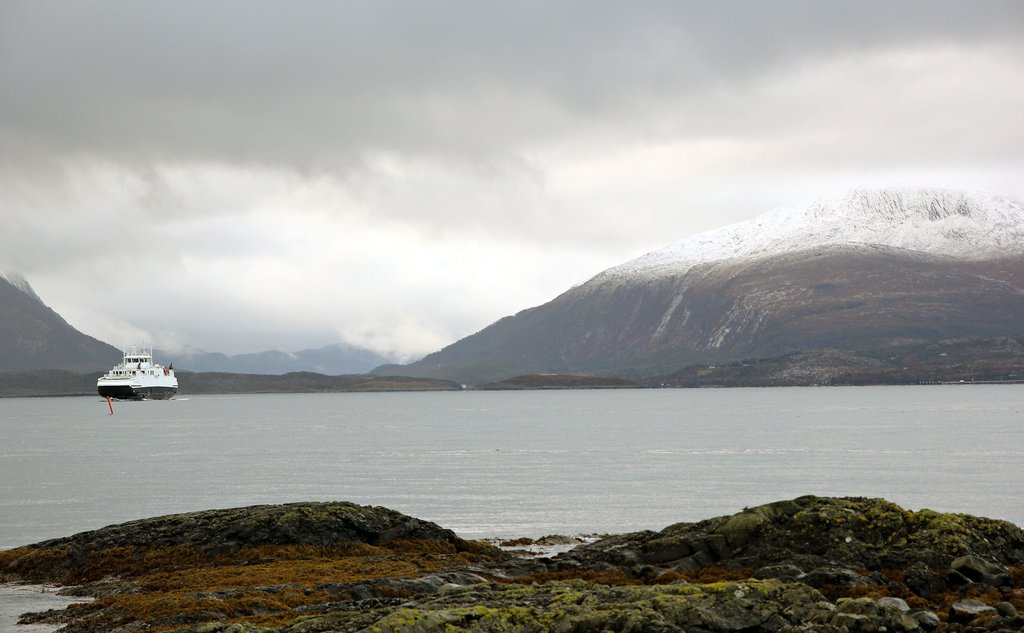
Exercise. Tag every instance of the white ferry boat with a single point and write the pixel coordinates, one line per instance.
(137, 377)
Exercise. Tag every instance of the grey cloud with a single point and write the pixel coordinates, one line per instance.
(537, 141)
(317, 84)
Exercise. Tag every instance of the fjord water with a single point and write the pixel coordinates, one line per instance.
(511, 463)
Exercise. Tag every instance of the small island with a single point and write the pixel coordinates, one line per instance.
(806, 564)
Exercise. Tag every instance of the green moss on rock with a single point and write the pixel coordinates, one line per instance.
(859, 533)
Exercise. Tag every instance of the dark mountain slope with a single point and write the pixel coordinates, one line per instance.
(845, 297)
(859, 272)
(33, 336)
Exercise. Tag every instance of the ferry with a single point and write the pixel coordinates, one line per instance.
(137, 377)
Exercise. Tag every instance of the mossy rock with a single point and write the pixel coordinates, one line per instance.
(856, 538)
(573, 606)
(212, 533)
(856, 532)
(741, 528)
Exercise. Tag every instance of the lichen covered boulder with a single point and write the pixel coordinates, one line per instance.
(815, 532)
(211, 533)
(807, 564)
(579, 607)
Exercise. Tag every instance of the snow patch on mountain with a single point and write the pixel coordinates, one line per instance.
(20, 283)
(970, 226)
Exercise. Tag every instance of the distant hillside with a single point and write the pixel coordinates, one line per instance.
(302, 382)
(47, 382)
(557, 381)
(864, 272)
(331, 360)
(64, 383)
(968, 360)
(962, 360)
(34, 337)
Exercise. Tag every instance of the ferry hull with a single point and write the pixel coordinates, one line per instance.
(136, 392)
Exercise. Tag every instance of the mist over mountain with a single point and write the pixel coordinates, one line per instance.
(34, 337)
(331, 360)
(865, 271)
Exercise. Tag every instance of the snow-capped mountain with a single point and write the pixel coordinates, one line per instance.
(971, 226)
(865, 271)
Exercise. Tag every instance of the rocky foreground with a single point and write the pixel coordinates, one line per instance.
(808, 564)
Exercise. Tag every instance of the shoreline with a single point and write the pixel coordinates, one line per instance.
(825, 562)
(638, 387)
(17, 599)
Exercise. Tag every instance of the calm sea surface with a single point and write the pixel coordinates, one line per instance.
(510, 463)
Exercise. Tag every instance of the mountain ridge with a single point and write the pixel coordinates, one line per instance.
(34, 337)
(963, 225)
(334, 359)
(943, 265)
(864, 271)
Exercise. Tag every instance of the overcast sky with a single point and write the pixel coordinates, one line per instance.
(242, 176)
